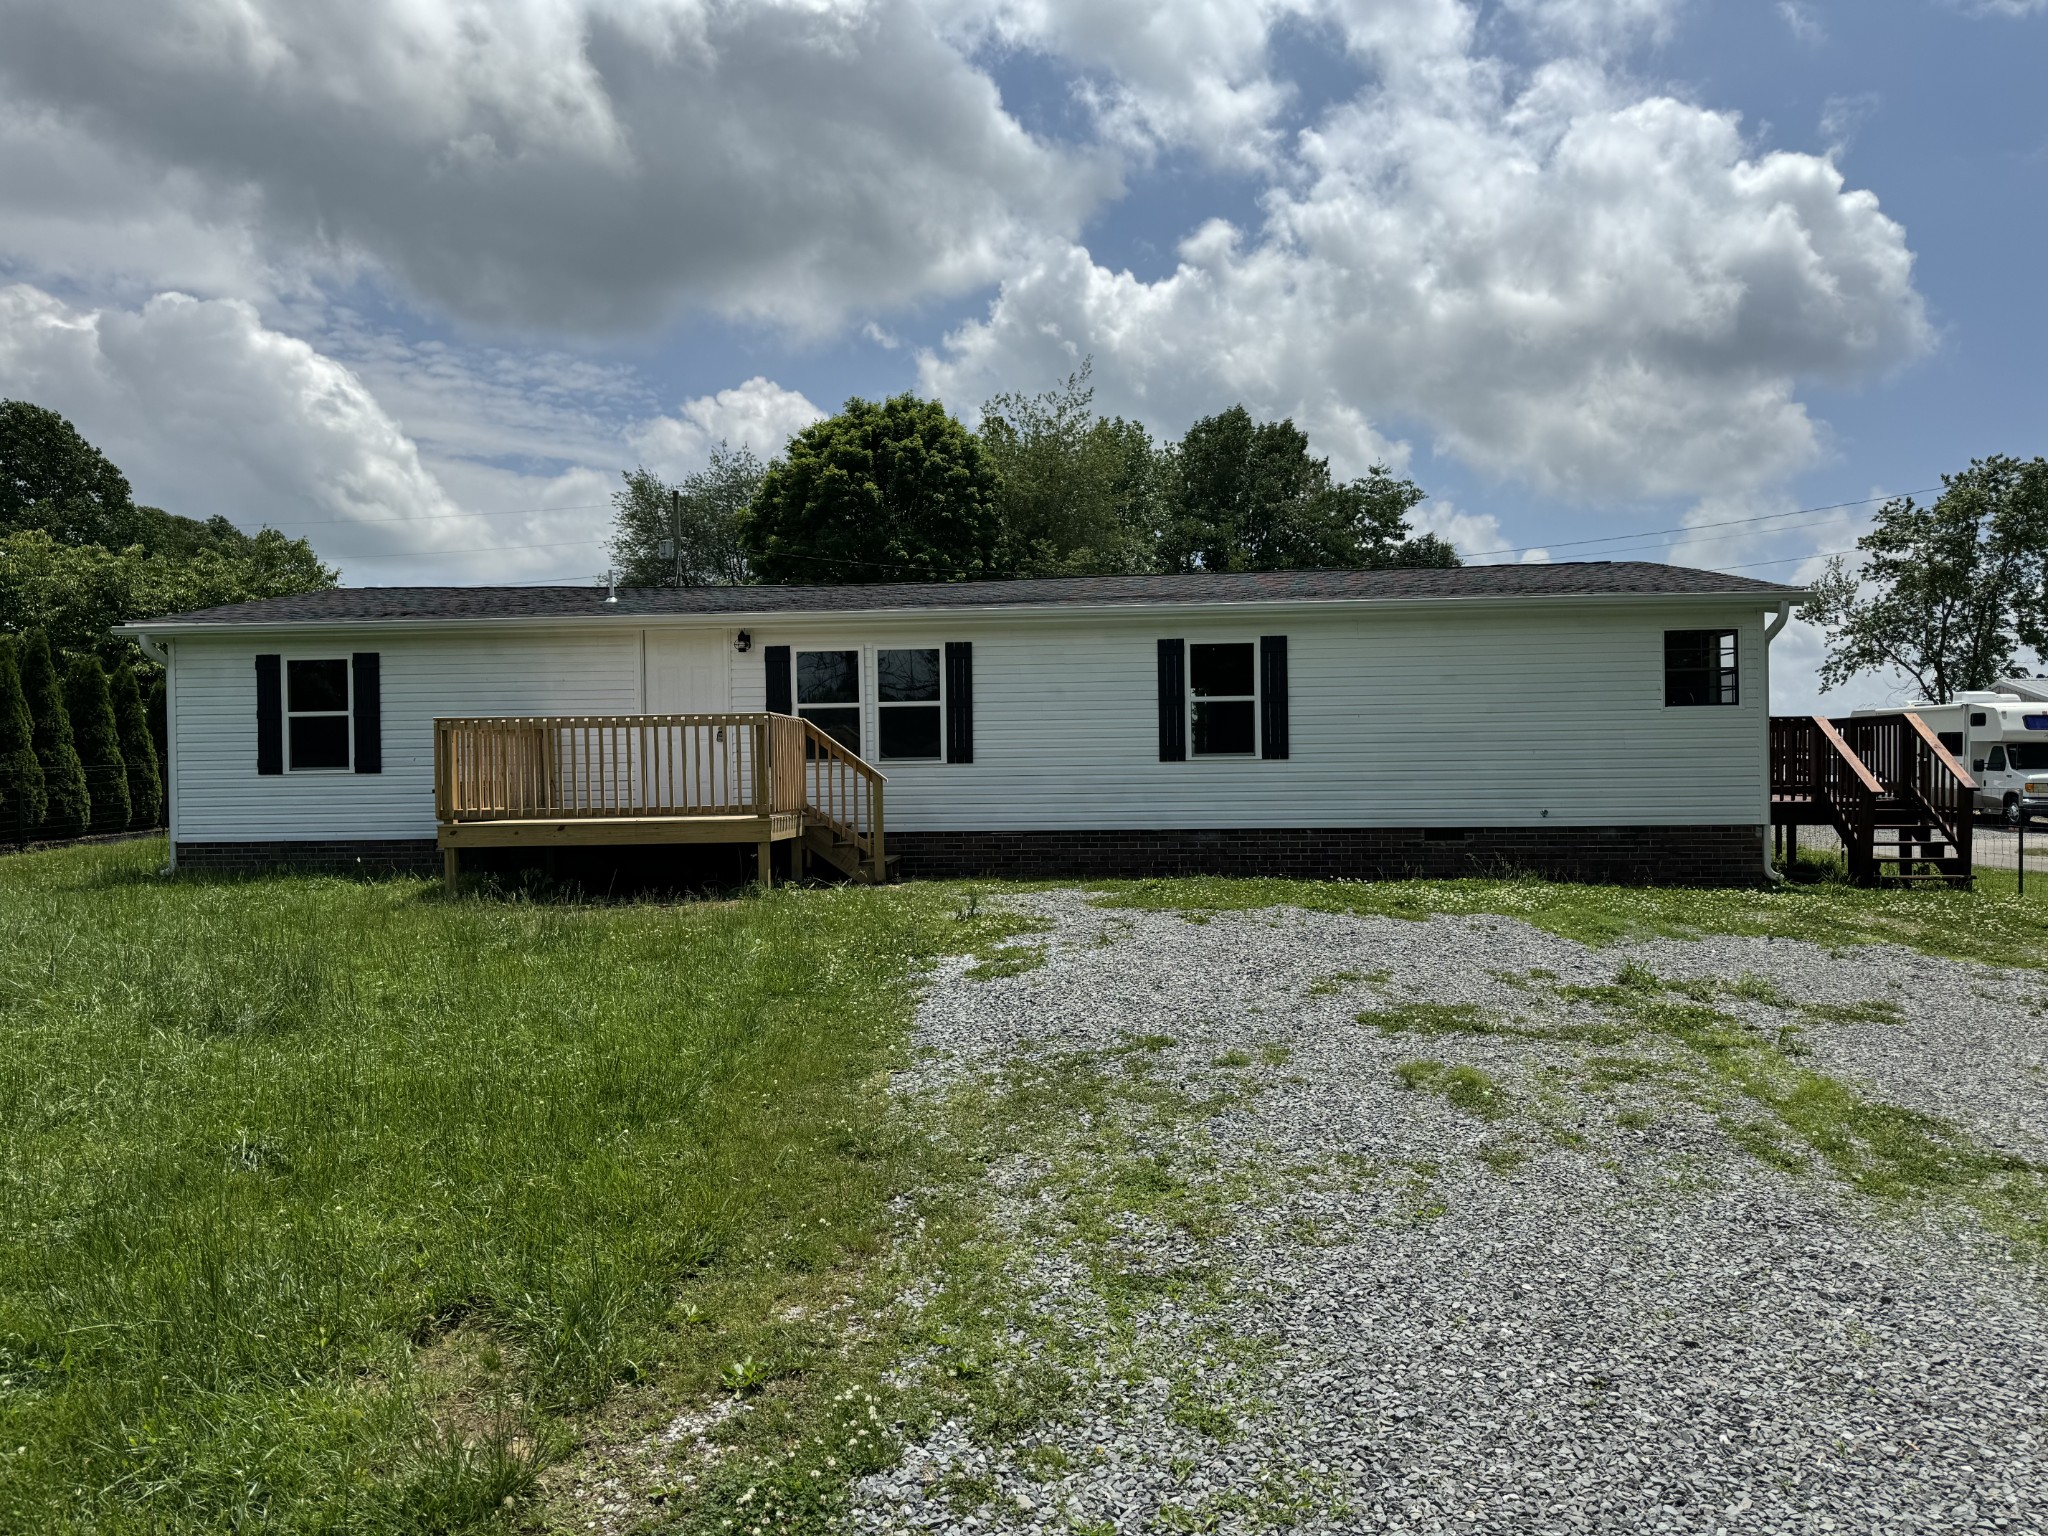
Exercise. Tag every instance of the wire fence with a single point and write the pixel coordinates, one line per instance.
(99, 777)
(1994, 844)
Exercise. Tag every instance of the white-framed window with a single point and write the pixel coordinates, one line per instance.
(1223, 699)
(828, 694)
(318, 725)
(910, 705)
(1700, 667)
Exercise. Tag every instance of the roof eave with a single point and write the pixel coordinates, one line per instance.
(172, 627)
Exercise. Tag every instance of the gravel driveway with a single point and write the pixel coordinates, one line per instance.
(1586, 1285)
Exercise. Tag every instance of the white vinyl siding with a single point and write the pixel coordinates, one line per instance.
(220, 797)
(1475, 716)
(1525, 717)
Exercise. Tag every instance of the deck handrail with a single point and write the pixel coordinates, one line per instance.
(1918, 770)
(732, 764)
(843, 792)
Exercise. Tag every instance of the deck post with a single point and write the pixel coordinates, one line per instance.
(767, 870)
(451, 868)
(881, 860)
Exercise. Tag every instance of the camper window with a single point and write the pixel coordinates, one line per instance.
(1952, 741)
(2027, 756)
(1699, 666)
(1996, 762)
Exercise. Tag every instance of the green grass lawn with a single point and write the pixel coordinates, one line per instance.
(328, 1203)
(339, 1206)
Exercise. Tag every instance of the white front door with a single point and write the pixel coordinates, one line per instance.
(686, 672)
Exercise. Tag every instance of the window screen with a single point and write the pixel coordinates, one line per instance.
(316, 713)
(1699, 666)
(828, 694)
(909, 705)
(1223, 713)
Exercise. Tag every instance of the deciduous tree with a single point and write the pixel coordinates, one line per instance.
(1946, 593)
(1249, 496)
(686, 534)
(895, 490)
(1079, 494)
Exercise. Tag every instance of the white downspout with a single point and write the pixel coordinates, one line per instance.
(1771, 633)
(160, 653)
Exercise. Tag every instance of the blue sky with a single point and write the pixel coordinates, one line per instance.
(417, 278)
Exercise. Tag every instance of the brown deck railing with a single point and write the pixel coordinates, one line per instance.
(1916, 769)
(1862, 772)
(549, 767)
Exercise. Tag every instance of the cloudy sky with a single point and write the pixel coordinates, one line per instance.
(1662, 279)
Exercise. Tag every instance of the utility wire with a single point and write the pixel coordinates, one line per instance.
(1481, 554)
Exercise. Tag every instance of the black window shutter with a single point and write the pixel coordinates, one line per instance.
(1272, 695)
(959, 701)
(780, 699)
(368, 669)
(1173, 704)
(270, 714)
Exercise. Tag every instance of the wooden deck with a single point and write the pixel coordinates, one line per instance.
(1898, 800)
(538, 781)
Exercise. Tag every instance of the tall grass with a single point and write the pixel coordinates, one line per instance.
(271, 1145)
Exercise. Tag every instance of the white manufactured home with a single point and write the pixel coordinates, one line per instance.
(1599, 720)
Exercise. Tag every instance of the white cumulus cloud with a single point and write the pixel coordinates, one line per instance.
(759, 414)
(1598, 293)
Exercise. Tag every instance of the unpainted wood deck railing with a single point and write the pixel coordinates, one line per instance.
(560, 767)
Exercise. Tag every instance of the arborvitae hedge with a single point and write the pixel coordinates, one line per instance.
(138, 750)
(69, 809)
(21, 776)
(98, 739)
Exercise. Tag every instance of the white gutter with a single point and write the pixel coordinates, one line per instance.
(154, 649)
(1771, 633)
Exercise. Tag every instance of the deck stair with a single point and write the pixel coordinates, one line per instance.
(1897, 799)
(559, 780)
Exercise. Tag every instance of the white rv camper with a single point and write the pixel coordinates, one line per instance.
(2002, 738)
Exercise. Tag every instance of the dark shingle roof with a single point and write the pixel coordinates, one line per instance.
(352, 605)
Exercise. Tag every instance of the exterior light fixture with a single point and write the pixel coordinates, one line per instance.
(743, 642)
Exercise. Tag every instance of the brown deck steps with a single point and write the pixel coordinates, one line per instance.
(1898, 799)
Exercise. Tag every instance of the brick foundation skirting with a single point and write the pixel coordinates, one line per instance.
(326, 856)
(1718, 855)
(1725, 855)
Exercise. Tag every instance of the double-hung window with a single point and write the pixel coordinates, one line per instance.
(316, 702)
(1699, 666)
(1223, 700)
(909, 705)
(828, 694)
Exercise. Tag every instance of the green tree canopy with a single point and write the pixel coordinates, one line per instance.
(1249, 496)
(67, 810)
(77, 555)
(1079, 494)
(138, 750)
(686, 534)
(76, 592)
(54, 480)
(1947, 593)
(22, 801)
(890, 491)
(97, 737)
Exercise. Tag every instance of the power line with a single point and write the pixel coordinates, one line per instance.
(1481, 554)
